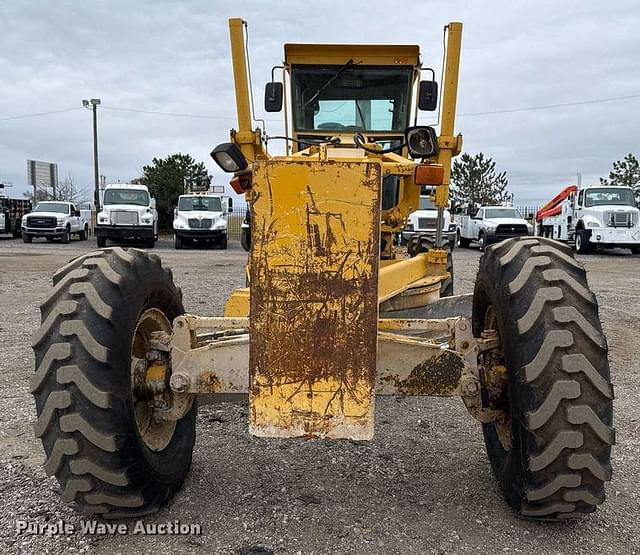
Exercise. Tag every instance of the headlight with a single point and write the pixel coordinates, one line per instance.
(452, 227)
(409, 227)
(593, 224)
(490, 229)
(147, 219)
(103, 219)
(220, 224)
(179, 225)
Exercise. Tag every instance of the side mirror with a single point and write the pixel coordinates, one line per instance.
(77, 213)
(175, 213)
(428, 95)
(273, 93)
(230, 205)
(152, 203)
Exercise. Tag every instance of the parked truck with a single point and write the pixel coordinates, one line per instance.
(55, 219)
(490, 224)
(12, 210)
(128, 214)
(201, 218)
(424, 219)
(592, 217)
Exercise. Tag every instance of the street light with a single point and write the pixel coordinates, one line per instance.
(92, 104)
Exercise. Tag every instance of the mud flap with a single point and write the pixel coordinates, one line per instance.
(314, 298)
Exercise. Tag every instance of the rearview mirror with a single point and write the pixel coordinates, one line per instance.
(273, 97)
(428, 95)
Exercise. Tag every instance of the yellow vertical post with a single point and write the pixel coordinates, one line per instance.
(245, 137)
(449, 145)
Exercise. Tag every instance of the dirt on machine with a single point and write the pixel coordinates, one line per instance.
(334, 313)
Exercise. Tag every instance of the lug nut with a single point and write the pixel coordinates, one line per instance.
(179, 383)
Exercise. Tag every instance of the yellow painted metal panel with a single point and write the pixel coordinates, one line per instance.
(373, 54)
(314, 298)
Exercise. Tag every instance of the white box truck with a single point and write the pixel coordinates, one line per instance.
(201, 218)
(128, 214)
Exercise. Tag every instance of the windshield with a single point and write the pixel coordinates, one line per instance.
(126, 196)
(352, 98)
(502, 213)
(210, 204)
(598, 197)
(426, 204)
(52, 207)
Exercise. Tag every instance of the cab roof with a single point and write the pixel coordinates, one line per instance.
(339, 54)
(126, 186)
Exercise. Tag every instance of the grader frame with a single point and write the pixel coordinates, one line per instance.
(305, 340)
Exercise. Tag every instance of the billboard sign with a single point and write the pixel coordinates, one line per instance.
(42, 175)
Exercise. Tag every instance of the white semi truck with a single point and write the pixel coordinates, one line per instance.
(201, 218)
(491, 224)
(592, 217)
(128, 213)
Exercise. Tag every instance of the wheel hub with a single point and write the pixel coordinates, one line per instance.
(150, 390)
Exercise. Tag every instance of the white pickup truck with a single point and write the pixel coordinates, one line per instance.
(55, 219)
(129, 214)
(201, 218)
(423, 220)
(491, 224)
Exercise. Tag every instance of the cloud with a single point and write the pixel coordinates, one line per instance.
(174, 57)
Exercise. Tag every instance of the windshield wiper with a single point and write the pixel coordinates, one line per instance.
(327, 83)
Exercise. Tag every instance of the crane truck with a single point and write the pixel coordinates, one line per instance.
(592, 217)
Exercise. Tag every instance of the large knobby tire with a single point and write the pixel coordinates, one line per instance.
(425, 243)
(66, 236)
(559, 390)
(26, 238)
(177, 242)
(101, 242)
(83, 392)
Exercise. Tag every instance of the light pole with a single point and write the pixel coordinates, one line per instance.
(93, 105)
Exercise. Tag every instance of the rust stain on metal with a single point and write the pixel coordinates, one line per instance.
(314, 305)
(439, 375)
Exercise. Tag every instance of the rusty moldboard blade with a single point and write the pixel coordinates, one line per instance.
(314, 298)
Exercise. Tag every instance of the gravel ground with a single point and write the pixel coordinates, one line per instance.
(422, 486)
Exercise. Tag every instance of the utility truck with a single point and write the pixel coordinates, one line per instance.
(201, 218)
(592, 217)
(491, 224)
(12, 210)
(55, 219)
(128, 214)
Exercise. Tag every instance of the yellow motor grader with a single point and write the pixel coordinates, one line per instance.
(334, 313)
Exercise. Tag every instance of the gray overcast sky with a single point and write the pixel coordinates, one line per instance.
(174, 57)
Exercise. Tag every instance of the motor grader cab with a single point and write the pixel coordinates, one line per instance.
(334, 314)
